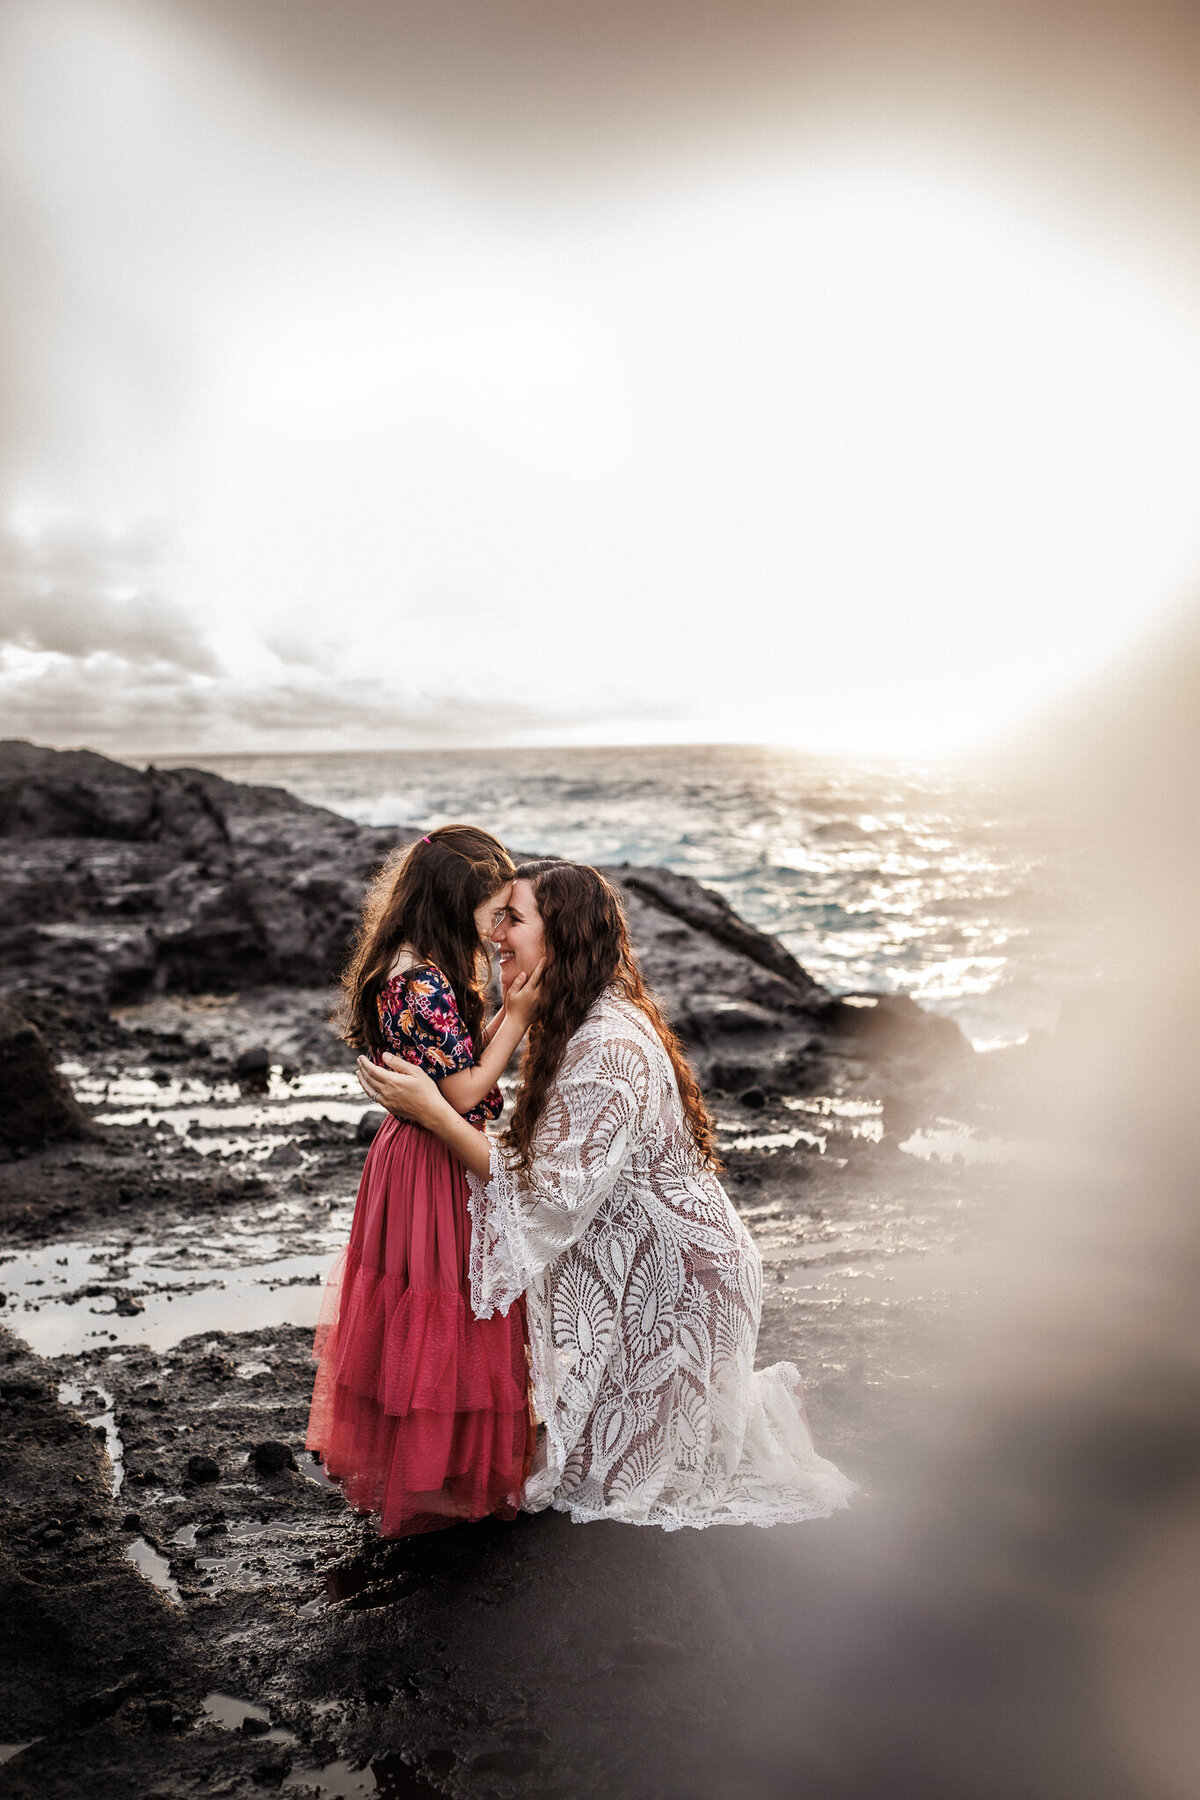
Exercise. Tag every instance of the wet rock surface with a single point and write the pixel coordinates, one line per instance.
(118, 884)
(39, 1107)
(538, 1658)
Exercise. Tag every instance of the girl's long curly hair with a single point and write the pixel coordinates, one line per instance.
(425, 897)
(588, 950)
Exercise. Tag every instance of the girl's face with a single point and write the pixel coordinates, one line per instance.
(519, 937)
(489, 913)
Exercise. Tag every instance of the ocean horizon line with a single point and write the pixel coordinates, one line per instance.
(860, 759)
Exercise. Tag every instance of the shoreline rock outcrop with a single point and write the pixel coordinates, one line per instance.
(119, 884)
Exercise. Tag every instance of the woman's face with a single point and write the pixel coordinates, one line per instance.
(519, 936)
(489, 913)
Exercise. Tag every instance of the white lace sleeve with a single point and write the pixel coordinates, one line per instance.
(522, 1222)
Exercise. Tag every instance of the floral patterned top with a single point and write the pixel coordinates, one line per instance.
(422, 1023)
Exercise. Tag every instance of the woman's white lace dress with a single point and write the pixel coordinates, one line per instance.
(644, 1292)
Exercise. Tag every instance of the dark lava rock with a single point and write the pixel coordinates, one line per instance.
(39, 1107)
(272, 1457)
(283, 1156)
(119, 883)
(129, 1305)
(710, 913)
(754, 1098)
(513, 1763)
(80, 1629)
(894, 1026)
(253, 1066)
(202, 1468)
(368, 1126)
(272, 1773)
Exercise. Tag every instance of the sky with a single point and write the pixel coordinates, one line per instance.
(387, 374)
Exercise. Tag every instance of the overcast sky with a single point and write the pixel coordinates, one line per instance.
(432, 373)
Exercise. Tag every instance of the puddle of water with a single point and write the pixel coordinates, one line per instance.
(231, 1713)
(46, 1305)
(232, 1117)
(778, 1140)
(850, 1118)
(154, 1567)
(246, 1299)
(828, 1106)
(239, 1574)
(326, 1085)
(144, 1086)
(71, 1394)
(316, 1471)
(187, 1105)
(945, 1141)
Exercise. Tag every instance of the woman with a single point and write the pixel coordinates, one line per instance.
(602, 1204)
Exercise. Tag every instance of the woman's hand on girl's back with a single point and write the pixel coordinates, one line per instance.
(401, 1088)
(522, 999)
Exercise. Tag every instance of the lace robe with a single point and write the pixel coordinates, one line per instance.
(644, 1291)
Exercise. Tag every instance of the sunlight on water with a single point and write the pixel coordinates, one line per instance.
(906, 879)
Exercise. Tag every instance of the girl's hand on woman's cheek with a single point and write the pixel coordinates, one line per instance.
(524, 994)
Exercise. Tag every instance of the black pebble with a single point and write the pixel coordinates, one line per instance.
(272, 1457)
(754, 1098)
(368, 1125)
(274, 1773)
(202, 1468)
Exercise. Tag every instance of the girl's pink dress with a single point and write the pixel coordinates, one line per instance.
(420, 1410)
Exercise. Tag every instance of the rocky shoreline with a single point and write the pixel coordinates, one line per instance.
(220, 1623)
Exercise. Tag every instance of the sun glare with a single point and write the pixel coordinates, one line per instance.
(933, 454)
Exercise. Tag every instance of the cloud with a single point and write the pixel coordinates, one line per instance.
(107, 703)
(301, 653)
(77, 592)
(92, 653)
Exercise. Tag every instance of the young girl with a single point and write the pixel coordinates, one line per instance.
(420, 1411)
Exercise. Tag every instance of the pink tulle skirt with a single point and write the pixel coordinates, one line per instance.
(420, 1411)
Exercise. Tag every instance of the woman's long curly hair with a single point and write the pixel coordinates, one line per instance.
(425, 898)
(588, 950)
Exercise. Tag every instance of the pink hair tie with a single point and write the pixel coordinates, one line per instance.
(424, 840)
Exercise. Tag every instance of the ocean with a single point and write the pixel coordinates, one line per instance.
(943, 883)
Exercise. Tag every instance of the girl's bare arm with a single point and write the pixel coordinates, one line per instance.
(470, 1086)
(489, 1030)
